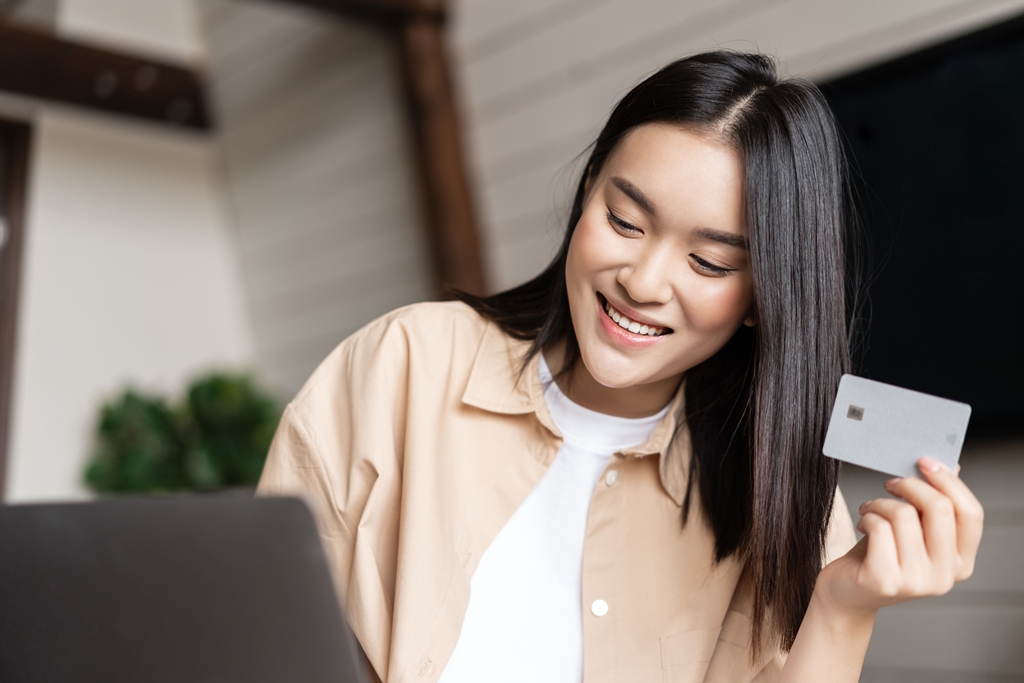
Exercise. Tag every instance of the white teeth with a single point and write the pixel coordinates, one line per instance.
(627, 324)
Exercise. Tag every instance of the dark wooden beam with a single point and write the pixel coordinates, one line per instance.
(450, 216)
(14, 138)
(386, 12)
(38, 64)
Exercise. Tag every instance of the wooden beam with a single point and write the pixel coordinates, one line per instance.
(386, 12)
(14, 138)
(38, 64)
(449, 209)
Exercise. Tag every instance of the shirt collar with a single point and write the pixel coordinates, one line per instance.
(497, 385)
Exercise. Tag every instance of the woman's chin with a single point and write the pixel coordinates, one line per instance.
(615, 373)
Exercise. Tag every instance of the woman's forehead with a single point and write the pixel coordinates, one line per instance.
(685, 176)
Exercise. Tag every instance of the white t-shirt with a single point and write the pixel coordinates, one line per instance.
(524, 622)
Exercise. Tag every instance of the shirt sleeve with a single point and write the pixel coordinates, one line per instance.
(339, 448)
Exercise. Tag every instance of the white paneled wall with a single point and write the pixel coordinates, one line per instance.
(320, 177)
(167, 29)
(538, 77)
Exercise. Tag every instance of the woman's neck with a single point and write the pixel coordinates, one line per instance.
(582, 389)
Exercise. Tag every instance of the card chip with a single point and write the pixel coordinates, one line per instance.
(855, 413)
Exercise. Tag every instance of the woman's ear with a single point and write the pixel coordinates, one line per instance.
(588, 181)
(751, 319)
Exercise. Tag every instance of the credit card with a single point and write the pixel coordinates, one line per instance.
(887, 428)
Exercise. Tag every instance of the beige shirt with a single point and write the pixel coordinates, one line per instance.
(416, 440)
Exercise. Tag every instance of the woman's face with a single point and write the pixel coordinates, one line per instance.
(661, 248)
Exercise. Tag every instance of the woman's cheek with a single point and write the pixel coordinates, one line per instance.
(591, 247)
(717, 304)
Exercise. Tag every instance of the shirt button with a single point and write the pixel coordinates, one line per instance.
(599, 608)
(611, 477)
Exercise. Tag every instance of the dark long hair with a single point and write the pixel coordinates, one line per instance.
(757, 409)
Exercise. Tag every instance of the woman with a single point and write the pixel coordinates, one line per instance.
(614, 471)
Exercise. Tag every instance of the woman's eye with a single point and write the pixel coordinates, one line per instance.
(621, 224)
(709, 267)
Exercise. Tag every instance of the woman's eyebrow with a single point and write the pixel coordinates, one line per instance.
(729, 238)
(634, 193)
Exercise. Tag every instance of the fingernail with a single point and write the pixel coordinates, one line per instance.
(863, 505)
(893, 481)
(929, 464)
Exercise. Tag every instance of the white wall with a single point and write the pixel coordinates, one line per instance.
(130, 273)
(167, 29)
(320, 177)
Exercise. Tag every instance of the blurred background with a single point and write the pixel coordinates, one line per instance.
(200, 198)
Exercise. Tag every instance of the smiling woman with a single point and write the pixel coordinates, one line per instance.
(661, 242)
(715, 204)
(614, 471)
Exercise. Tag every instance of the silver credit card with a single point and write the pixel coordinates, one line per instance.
(888, 428)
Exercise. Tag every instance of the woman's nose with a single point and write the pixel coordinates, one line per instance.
(646, 280)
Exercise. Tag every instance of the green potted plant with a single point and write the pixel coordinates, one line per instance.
(215, 437)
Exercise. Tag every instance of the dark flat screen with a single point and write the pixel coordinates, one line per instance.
(937, 144)
(197, 589)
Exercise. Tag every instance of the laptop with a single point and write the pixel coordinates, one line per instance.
(172, 589)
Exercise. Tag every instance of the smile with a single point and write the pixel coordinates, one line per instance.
(631, 325)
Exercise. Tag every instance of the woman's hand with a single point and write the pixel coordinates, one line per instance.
(912, 548)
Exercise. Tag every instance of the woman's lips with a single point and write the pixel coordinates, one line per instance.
(644, 335)
(633, 325)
